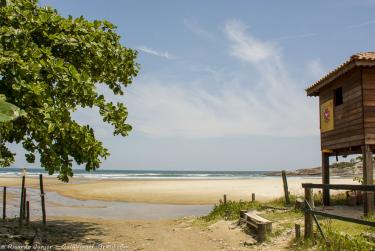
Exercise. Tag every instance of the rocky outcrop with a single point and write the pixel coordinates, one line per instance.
(351, 171)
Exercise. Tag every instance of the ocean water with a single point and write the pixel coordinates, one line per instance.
(142, 174)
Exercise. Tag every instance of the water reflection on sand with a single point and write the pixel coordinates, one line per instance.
(58, 205)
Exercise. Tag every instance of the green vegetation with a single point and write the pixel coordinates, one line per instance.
(8, 112)
(337, 199)
(230, 210)
(341, 235)
(50, 66)
(360, 180)
(342, 164)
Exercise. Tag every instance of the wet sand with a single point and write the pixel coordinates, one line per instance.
(60, 206)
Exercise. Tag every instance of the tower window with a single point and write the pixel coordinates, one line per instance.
(338, 96)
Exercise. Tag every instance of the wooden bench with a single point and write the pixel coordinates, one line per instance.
(260, 225)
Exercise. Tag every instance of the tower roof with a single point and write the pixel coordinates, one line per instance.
(359, 59)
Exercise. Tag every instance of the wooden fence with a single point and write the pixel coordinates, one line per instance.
(309, 205)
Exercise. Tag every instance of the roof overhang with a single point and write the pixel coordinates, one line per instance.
(353, 62)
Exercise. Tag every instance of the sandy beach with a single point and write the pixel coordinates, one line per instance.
(172, 191)
(147, 214)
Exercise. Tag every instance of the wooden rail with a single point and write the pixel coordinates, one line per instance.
(309, 205)
(343, 218)
(365, 188)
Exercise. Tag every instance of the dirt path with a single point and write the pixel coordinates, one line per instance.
(102, 234)
(181, 234)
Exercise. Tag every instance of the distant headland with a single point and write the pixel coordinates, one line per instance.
(341, 169)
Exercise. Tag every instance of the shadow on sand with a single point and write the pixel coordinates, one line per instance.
(57, 233)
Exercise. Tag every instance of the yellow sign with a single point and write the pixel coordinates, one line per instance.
(326, 116)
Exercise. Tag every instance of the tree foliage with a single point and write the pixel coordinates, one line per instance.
(8, 112)
(49, 67)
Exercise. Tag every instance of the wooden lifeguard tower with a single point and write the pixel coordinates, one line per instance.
(347, 116)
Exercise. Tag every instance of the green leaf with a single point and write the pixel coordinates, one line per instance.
(9, 112)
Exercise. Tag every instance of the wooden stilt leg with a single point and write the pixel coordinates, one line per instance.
(368, 202)
(325, 178)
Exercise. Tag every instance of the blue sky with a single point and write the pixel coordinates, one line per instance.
(222, 84)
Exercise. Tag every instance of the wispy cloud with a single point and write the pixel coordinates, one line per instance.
(164, 54)
(194, 27)
(315, 68)
(338, 30)
(262, 100)
(359, 25)
(246, 47)
(306, 35)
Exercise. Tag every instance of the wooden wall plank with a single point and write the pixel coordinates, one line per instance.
(368, 76)
(348, 117)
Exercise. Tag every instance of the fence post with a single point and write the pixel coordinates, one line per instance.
(27, 212)
(4, 202)
(225, 199)
(21, 204)
(308, 215)
(253, 197)
(285, 183)
(24, 204)
(42, 198)
(298, 231)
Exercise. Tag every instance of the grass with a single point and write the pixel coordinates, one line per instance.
(283, 216)
(231, 210)
(341, 235)
(337, 199)
(337, 241)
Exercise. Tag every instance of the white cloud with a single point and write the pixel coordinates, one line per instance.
(315, 69)
(161, 109)
(359, 25)
(246, 47)
(241, 103)
(154, 52)
(306, 35)
(262, 100)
